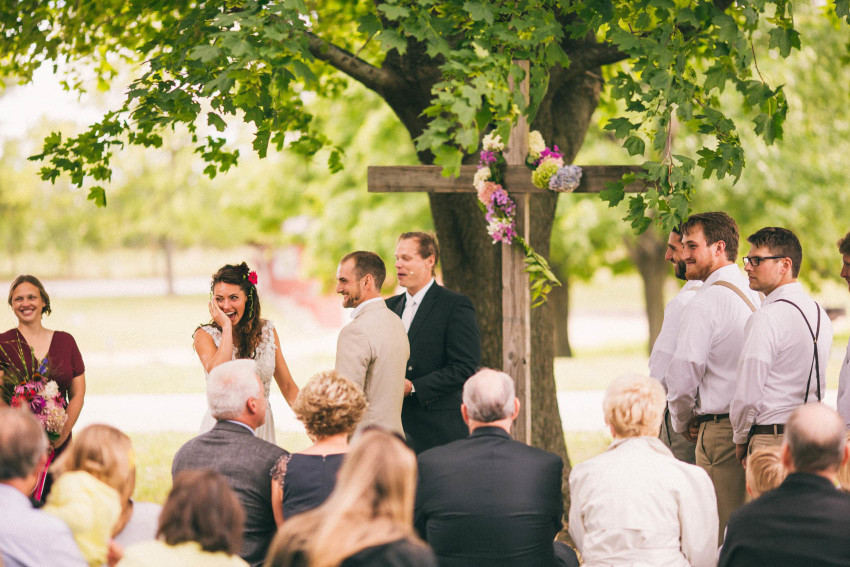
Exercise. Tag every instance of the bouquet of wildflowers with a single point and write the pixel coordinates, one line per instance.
(499, 208)
(35, 392)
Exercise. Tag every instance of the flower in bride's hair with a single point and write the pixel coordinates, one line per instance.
(252, 277)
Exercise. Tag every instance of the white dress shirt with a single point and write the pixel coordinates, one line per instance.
(844, 388)
(411, 304)
(702, 377)
(32, 537)
(776, 360)
(360, 307)
(636, 504)
(665, 344)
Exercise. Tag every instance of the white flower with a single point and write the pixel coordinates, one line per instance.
(482, 175)
(535, 145)
(493, 143)
(50, 390)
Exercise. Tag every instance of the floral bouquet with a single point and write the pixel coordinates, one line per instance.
(35, 392)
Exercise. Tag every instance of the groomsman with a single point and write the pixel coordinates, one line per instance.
(665, 344)
(445, 347)
(702, 376)
(786, 346)
(844, 376)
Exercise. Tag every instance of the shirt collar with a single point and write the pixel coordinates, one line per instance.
(245, 425)
(360, 307)
(419, 294)
(784, 291)
(723, 273)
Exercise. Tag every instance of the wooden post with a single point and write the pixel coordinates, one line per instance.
(516, 298)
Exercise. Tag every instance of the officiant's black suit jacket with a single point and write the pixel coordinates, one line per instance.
(245, 461)
(445, 350)
(489, 500)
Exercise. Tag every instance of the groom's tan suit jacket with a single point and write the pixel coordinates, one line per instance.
(372, 351)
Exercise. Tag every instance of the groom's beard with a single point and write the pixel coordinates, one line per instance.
(680, 270)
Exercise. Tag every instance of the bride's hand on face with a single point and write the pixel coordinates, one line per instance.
(218, 315)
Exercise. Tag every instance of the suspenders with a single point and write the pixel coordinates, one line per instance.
(815, 361)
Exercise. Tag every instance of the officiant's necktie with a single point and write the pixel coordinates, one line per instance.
(408, 313)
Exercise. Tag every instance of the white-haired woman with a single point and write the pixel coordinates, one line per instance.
(635, 503)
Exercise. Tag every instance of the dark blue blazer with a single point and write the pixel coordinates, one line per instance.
(803, 522)
(445, 350)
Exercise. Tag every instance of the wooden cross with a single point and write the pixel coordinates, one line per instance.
(516, 300)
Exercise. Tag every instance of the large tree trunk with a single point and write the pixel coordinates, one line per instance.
(559, 297)
(647, 252)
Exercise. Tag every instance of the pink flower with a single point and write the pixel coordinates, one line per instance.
(252, 277)
(486, 191)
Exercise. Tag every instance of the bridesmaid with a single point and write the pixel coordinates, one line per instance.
(29, 302)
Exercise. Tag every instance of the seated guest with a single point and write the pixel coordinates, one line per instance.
(844, 469)
(330, 407)
(490, 500)
(367, 520)
(94, 482)
(201, 524)
(636, 503)
(806, 520)
(237, 402)
(765, 471)
(28, 536)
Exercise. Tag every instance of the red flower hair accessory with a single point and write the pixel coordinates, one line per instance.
(252, 277)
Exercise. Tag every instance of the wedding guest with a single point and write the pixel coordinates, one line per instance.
(236, 400)
(201, 524)
(636, 503)
(368, 518)
(28, 536)
(30, 345)
(330, 407)
(765, 471)
(94, 480)
(238, 331)
(804, 521)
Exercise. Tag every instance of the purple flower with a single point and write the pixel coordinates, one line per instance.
(487, 157)
(553, 153)
(37, 404)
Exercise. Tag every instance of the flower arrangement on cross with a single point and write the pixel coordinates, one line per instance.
(548, 172)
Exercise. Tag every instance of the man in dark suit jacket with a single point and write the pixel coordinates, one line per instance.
(806, 520)
(236, 400)
(489, 500)
(445, 346)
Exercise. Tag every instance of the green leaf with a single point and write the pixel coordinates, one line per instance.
(394, 12)
(620, 126)
(369, 24)
(98, 195)
(450, 158)
(613, 193)
(634, 145)
(216, 121)
(479, 11)
(785, 40)
(204, 53)
(390, 39)
(261, 142)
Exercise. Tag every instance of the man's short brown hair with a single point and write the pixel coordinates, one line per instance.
(367, 263)
(844, 244)
(716, 226)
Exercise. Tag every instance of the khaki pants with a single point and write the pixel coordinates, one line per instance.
(716, 455)
(682, 449)
(765, 440)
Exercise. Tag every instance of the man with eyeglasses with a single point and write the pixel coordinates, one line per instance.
(665, 343)
(786, 348)
(844, 376)
(701, 378)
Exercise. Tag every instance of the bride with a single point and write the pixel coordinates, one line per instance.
(237, 331)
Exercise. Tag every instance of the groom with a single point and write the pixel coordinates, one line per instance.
(372, 350)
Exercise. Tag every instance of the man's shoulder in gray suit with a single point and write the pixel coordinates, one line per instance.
(230, 449)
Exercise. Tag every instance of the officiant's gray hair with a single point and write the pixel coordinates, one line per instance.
(229, 385)
(489, 396)
(22, 443)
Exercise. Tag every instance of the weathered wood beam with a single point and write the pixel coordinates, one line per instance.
(429, 179)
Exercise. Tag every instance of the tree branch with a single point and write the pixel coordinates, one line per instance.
(376, 79)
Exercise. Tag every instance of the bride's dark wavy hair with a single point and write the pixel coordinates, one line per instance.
(248, 331)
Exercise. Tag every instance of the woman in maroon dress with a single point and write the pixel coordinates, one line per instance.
(30, 302)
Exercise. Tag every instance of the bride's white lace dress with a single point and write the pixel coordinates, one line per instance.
(264, 356)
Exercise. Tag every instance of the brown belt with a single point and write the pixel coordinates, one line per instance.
(777, 429)
(715, 417)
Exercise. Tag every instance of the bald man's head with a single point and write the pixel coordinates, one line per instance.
(815, 437)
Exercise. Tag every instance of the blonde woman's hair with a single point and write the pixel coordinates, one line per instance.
(634, 406)
(844, 469)
(105, 453)
(764, 470)
(329, 404)
(371, 505)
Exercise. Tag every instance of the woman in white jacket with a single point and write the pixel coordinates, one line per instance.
(636, 504)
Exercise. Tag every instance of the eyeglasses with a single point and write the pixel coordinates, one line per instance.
(756, 260)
